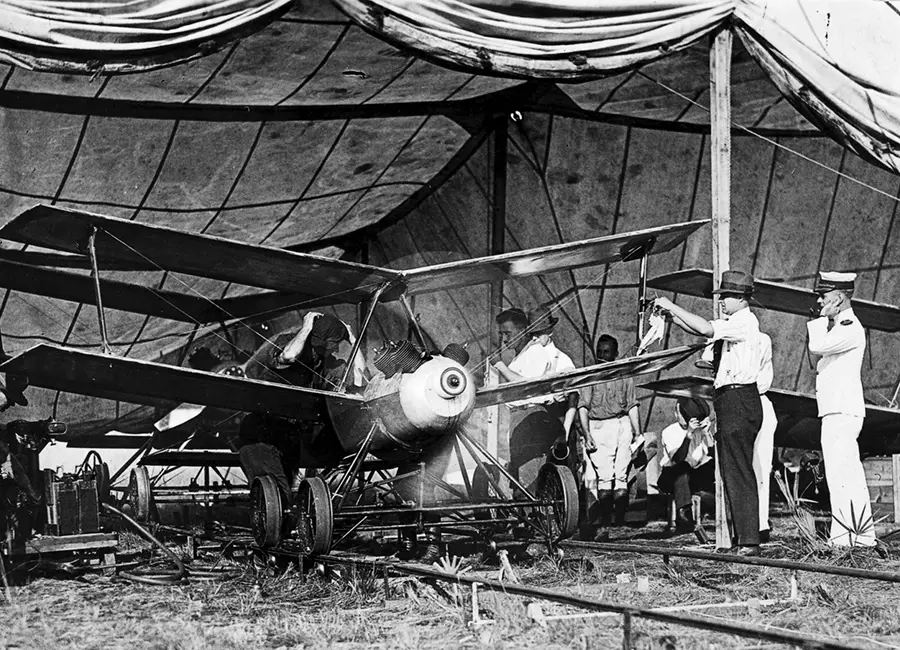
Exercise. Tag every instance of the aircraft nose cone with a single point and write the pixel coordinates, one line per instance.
(453, 382)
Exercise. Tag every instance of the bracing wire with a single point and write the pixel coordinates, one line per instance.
(241, 321)
(602, 275)
(771, 141)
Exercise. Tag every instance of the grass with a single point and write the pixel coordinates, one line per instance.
(272, 605)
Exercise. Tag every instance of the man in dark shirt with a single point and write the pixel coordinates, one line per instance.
(610, 422)
(276, 446)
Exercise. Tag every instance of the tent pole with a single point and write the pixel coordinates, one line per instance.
(498, 245)
(720, 162)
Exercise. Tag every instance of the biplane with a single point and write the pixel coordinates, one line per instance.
(387, 431)
(798, 422)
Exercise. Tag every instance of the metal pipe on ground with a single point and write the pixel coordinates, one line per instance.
(794, 565)
(628, 611)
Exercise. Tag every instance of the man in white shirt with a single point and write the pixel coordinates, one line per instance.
(535, 423)
(684, 459)
(738, 407)
(764, 446)
(840, 340)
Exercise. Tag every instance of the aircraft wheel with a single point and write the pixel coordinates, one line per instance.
(266, 511)
(316, 516)
(139, 494)
(556, 483)
(94, 466)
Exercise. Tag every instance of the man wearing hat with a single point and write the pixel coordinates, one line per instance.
(838, 337)
(535, 423)
(275, 446)
(737, 361)
(610, 422)
(686, 448)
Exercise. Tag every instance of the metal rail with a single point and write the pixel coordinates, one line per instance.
(734, 559)
(628, 612)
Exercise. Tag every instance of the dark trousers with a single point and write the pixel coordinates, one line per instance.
(682, 481)
(532, 432)
(739, 416)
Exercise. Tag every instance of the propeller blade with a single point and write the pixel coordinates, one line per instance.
(181, 414)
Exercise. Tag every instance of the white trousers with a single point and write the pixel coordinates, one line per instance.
(609, 464)
(763, 448)
(850, 501)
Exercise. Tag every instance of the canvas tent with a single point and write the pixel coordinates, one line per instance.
(312, 133)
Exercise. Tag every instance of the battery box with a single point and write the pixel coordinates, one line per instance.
(72, 504)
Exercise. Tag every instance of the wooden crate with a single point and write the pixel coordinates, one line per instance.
(883, 479)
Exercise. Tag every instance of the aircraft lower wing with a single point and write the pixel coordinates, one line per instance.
(123, 241)
(147, 382)
(798, 416)
(559, 257)
(779, 297)
(579, 377)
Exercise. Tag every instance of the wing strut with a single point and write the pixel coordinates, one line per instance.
(95, 274)
(642, 248)
(359, 337)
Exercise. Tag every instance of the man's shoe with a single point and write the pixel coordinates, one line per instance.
(748, 551)
(684, 521)
(765, 536)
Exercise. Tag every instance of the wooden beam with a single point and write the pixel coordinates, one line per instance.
(895, 485)
(720, 161)
(497, 247)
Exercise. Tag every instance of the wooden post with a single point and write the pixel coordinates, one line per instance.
(895, 485)
(720, 161)
(498, 245)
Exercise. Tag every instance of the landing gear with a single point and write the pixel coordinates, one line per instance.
(560, 519)
(483, 490)
(315, 517)
(139, 495)
(266, 511)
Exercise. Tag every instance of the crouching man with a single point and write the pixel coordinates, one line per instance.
(685, 453)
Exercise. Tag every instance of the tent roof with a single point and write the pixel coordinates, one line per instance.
(313, 62)
(309, 130)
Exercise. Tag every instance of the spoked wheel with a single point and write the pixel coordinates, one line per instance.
(266, 511)
(555, 483)
(93, 464)
(139, 494)
(315, 520)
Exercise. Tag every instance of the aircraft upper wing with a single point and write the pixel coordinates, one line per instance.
(779, 297)
(579, 377)
(122, 241)
(146, 382)
(559, 257)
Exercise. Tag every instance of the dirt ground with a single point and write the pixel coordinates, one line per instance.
(250, 602)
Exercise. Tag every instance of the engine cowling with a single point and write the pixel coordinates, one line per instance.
(437, 395)
(414, 409)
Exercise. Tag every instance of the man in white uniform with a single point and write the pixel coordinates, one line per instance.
(764, 446)
(840, 340)
(535, 423)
